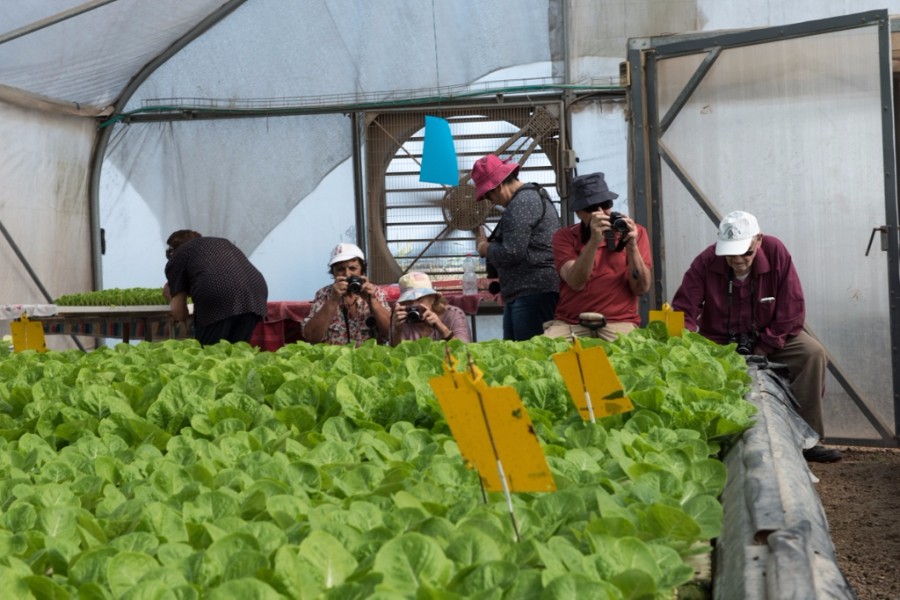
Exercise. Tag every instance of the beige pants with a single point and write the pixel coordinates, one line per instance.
(609, 333)
(806, 361)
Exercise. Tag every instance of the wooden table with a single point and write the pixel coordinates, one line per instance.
(147, 323)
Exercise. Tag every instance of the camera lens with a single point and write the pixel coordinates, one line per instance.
(413, 314)
(617, 222)
(354, 284)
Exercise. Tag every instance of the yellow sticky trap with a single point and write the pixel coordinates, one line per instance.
(592, 382)
(674, 319)
(27, 334)
(491, 426)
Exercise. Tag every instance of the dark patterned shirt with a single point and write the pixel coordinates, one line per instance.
(219, 279)
(521, 247)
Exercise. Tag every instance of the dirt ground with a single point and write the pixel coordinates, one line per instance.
(861, 498)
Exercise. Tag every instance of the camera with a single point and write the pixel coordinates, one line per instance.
(355, 284)
(617, 222)
(414, 314)
(490, 269)
(745, 342)
(494, 286)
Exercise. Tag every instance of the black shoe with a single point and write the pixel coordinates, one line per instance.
(822, 454)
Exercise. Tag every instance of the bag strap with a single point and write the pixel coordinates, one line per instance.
(545, 196)
(545, 199)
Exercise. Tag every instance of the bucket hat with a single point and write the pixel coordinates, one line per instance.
(588, 190)
(489, 171)
(345, 251)
(414, 285)
(736, 233)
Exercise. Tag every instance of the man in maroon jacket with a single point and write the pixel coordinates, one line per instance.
(744, 290)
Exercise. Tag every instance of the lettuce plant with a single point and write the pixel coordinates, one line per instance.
(168, 469)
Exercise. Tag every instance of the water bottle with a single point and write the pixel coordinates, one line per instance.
(469, 278)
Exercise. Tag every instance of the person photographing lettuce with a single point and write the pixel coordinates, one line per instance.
(744, 290)
(604, 263)
(350, 310)
(422, 312)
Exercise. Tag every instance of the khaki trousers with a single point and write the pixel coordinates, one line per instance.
(806, 361)
(609, 333)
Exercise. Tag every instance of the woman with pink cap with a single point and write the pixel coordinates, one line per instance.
(520, 247)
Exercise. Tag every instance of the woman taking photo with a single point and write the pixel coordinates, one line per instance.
(421, 312)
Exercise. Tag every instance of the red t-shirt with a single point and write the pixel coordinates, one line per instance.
(607, 291)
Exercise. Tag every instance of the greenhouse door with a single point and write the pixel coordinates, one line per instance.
(793, 124)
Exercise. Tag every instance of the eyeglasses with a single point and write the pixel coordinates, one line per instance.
(606, 204)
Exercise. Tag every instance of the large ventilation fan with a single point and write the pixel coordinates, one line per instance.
(428, 227)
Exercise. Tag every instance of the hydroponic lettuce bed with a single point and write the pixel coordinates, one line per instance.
(167, 470)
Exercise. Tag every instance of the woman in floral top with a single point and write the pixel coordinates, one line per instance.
(352, 309)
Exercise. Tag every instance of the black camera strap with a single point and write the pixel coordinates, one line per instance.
(346, 316)
(730, 300)
(371, 323)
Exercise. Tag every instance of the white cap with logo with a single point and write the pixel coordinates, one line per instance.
(736, 233)
(345, 251)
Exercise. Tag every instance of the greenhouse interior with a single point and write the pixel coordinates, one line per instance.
(139, 463)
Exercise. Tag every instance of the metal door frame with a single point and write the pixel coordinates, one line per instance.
(646, 153)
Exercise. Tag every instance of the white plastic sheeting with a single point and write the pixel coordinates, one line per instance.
(44, 202)
(240, 178)
(88, 59)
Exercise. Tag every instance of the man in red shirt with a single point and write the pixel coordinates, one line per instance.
(744, 289)
(604, 264)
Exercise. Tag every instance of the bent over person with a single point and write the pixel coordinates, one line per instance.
(744, 290)
(604, 263)
(229, 294)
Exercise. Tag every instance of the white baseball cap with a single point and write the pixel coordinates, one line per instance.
(736, 233)
(345, 251)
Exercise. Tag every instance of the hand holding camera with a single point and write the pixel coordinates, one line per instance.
(412, 314)
(618, 232)
(415, 314)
